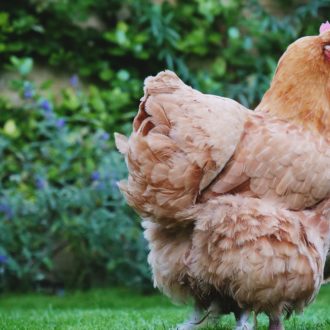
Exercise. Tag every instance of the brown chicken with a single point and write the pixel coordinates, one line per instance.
(224, 191)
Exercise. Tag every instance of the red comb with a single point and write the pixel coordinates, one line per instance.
(324, 27)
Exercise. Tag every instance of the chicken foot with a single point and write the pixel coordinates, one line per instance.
(275, 323)
(242, 320)
(199, 321)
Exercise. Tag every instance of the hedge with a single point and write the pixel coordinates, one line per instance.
(63, 222)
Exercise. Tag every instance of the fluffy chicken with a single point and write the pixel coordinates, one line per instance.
(235, 203)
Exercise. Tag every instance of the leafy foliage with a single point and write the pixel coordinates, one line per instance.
(211, 44)
(62, 218)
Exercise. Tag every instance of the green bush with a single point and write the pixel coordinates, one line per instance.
(226, 47)
(62, 219)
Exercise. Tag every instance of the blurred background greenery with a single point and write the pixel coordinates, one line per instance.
(71, 75)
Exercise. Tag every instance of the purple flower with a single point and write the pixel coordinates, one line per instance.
(95, 176)
(6, 210)
(40, 183)
(28, 92)
(46, 106)
(60, 123)
(3, 259)
(104, 136)
(74, 81)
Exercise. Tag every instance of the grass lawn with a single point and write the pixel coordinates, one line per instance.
(120, 309)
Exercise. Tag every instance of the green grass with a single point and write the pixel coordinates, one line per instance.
(120, 309)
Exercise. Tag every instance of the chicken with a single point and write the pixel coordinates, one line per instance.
(223, 191)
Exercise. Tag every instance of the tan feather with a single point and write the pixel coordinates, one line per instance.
(121, 143)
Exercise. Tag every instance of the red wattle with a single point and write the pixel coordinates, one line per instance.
(327, 54)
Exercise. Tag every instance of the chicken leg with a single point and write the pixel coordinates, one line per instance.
(275, 323)
(199, 321)
(242, 319)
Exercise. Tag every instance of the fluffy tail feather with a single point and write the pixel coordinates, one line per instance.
(180, 142)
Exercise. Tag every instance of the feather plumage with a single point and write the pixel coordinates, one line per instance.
(232, 199)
